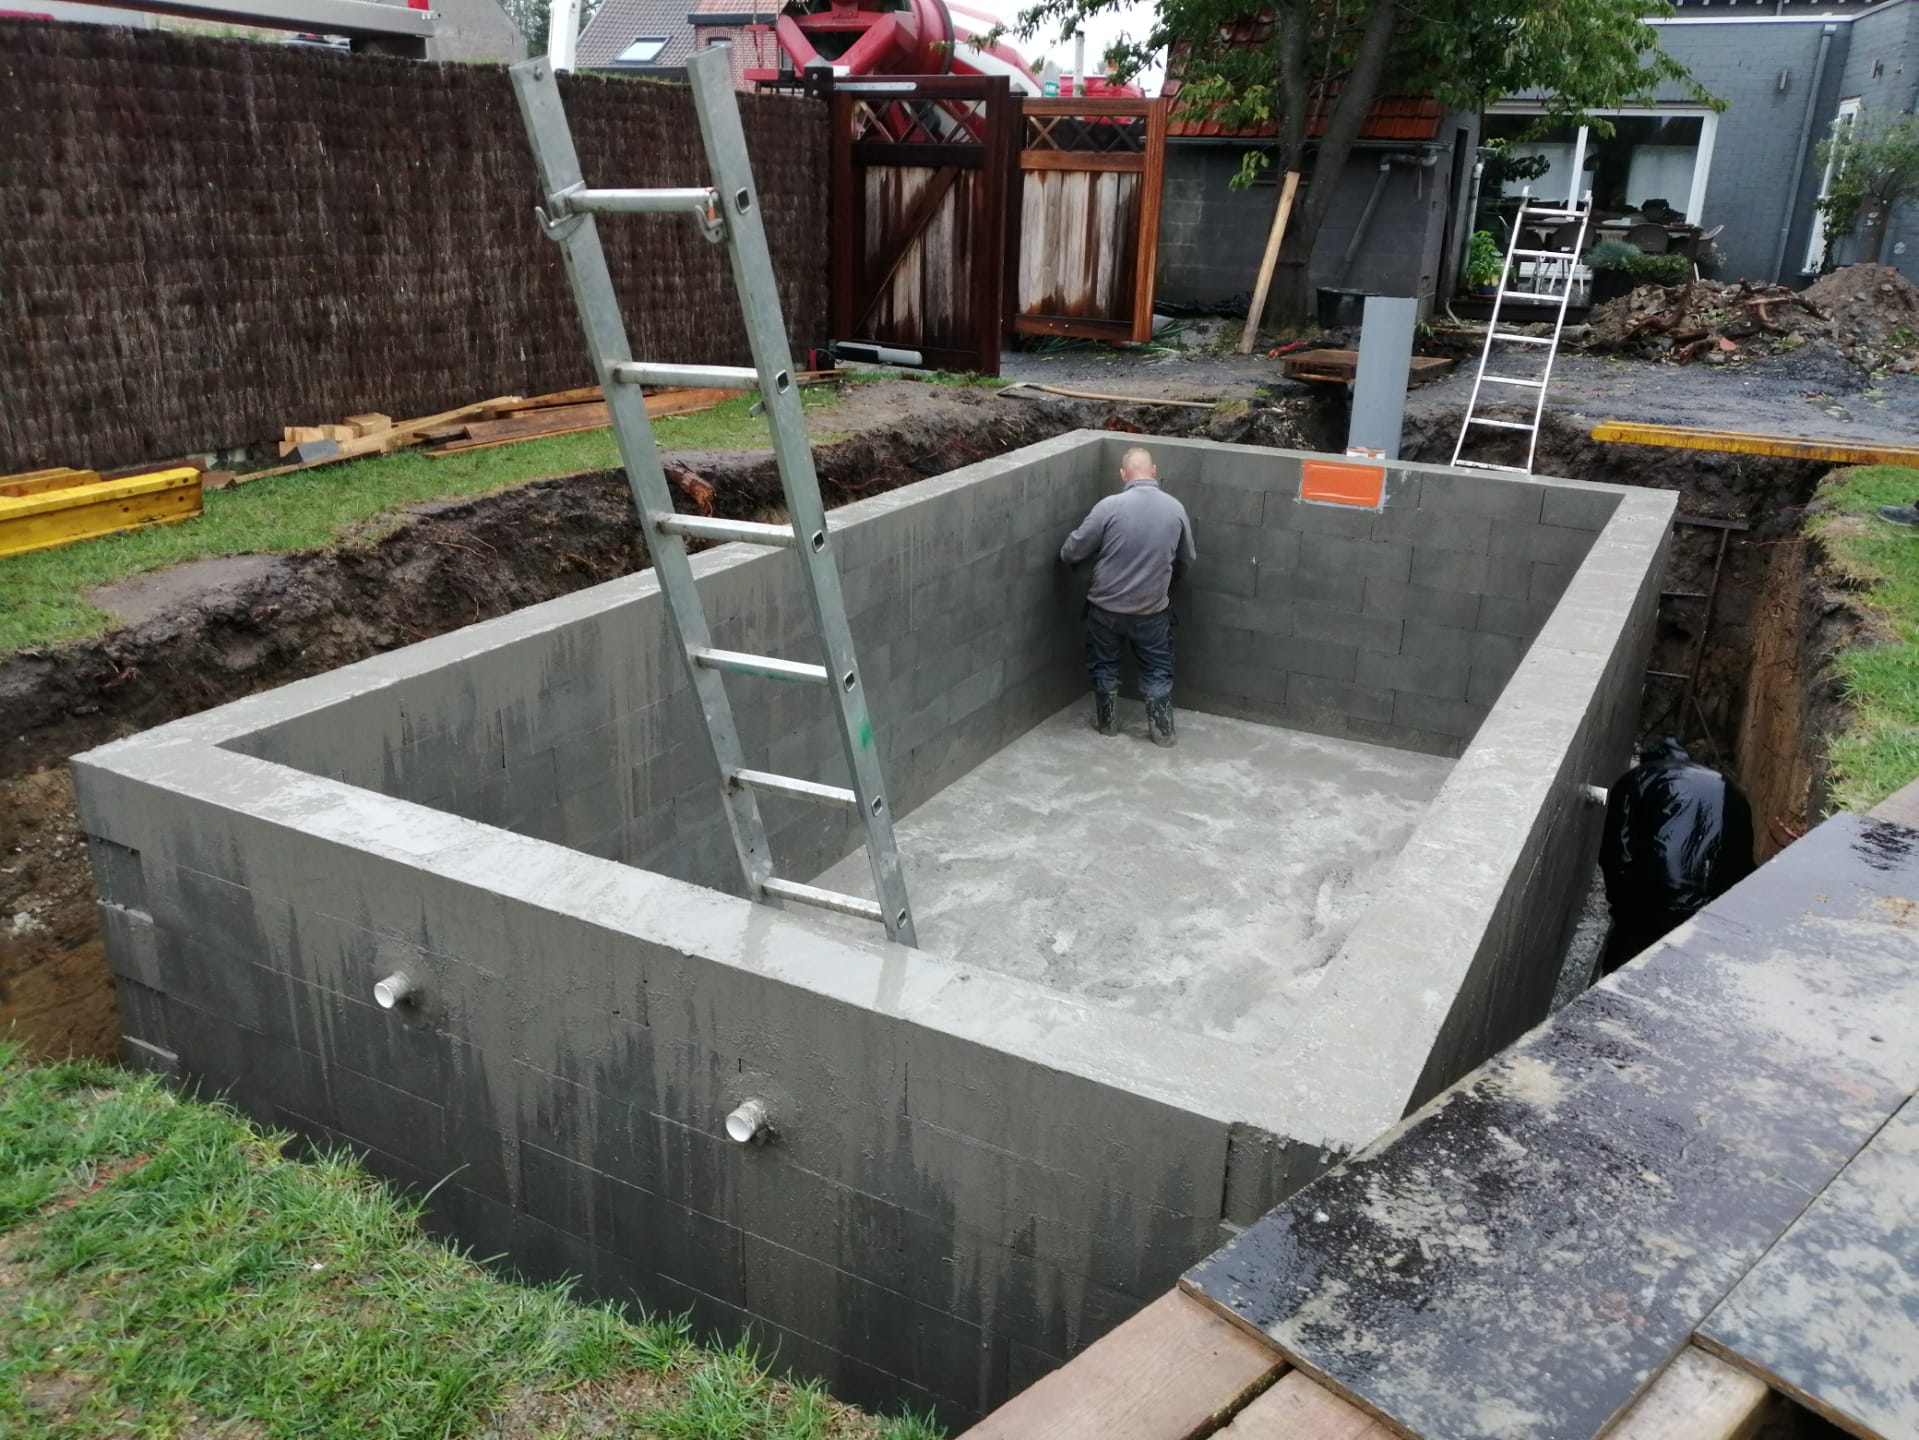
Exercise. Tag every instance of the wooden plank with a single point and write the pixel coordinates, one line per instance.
(1831, 1314)
(39, 482)
(1538, 1242)
(1741, 442)
(369, 424)
(1131, 162)
(62, 517)
(883, 262)
(574, 419)
(1275, 237)
(1697, 1397)
(1298, 1407)
(1165, 1374)
(1343, 365)
(403, 433)
(580, 395)
(1146, 244)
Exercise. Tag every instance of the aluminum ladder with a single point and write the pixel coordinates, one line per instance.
(1563, 264)
(727, 213)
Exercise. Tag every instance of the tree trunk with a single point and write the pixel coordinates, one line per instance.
(1291, 300)
(1876, 227)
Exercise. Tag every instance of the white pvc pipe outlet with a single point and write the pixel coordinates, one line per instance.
(748, 1123)
(1596, 795)
(391, 991)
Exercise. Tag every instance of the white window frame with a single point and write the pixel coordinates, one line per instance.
(1816, 242)
(658, 42)
(1708, 134)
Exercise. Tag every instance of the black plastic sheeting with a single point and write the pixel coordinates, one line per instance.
(1678, 835)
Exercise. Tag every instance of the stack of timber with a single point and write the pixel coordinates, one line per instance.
(567, 412)
(41, 509)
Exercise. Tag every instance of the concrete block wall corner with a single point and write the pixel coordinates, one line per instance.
(977, 1165)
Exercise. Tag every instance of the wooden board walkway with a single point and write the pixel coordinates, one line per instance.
(1543, 1239)
(1741, 442)
(1831, 1315)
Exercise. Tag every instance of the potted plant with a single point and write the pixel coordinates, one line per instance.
(1484, 263)
(1611, 262)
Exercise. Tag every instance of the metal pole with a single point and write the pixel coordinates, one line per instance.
(563, 34)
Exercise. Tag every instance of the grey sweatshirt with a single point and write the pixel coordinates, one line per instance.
(1139, 535)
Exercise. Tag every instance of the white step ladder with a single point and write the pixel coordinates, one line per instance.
(1558, 267)
(728, 213)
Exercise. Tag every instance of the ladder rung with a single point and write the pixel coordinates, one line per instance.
(703, 527)
(1519, 339)
(1550, 296)
(1498, 424)
(631, 202)
(767, 667)
(1487, 465)
(824, 899)
(1550, 214)
(1545, 255)
(799, 789)
(703, 377)
(1515, 380)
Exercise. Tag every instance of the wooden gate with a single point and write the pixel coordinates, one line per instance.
(1084, 239)
(921, 178)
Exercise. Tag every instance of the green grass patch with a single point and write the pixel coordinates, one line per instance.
(167, 1270)
(1879, 753)
(43, 594)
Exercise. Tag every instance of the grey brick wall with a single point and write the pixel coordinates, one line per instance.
(1211, 236)
(1399, 627)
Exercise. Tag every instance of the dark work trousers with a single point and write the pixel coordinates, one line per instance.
(1151, 638)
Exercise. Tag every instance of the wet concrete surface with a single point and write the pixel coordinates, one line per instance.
(1537, 1243)
(1205, 886)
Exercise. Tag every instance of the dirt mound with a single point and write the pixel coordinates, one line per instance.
(1865, 316)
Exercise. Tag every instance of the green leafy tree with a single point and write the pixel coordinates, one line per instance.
(1874, 168)
(1339, 56)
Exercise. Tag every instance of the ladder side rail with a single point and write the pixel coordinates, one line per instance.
(1559, 330)
(710, 74)
(1492, 329)
(538, 94)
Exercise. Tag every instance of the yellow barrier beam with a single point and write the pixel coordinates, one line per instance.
(82, 512)
(1741, 442)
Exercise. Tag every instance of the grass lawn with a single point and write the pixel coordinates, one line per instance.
(43, 594)
(165, 1270)
(1880, 752)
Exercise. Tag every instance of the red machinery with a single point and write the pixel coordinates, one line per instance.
(903, 37)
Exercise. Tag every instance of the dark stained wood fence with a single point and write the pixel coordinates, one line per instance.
(921, 178)
(1087, 233)
(203, 240)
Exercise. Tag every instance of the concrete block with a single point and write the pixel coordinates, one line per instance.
(1471, 573)
(1327, 590)
(1344, 627)
(1312, 657)
(1505, 615)
(1578, 508)
(1554, 544)
(1438, 529)
(1550, 581)
(1329, 555)
(1394, 600)
(1448, 644)
(1345, 521)
(1315, 696)
(1494, 496)
(1441, 679)
(1438, 714)
(1278, 550)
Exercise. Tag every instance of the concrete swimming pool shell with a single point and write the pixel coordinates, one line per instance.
(1157, 991)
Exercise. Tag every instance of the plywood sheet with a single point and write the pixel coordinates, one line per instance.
(1538, 1242)
(1831, 1315)
(1163, 1375)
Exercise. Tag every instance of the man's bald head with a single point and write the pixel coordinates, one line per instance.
(1137, 464)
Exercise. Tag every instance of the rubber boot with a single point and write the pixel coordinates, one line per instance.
(1159, 721)
(1106, 711)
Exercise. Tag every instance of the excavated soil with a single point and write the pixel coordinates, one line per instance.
(239, 626)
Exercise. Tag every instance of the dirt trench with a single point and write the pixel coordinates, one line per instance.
(1765, 701)
(436, 567)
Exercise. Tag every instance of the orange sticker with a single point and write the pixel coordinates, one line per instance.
(1339, 482)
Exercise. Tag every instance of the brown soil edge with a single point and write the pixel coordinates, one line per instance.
(441, 567)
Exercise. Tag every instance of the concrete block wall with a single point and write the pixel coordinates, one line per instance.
(971, 1176)
(1398, 627)
(586, 733)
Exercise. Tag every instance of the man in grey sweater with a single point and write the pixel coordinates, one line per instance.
(1141, 542)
